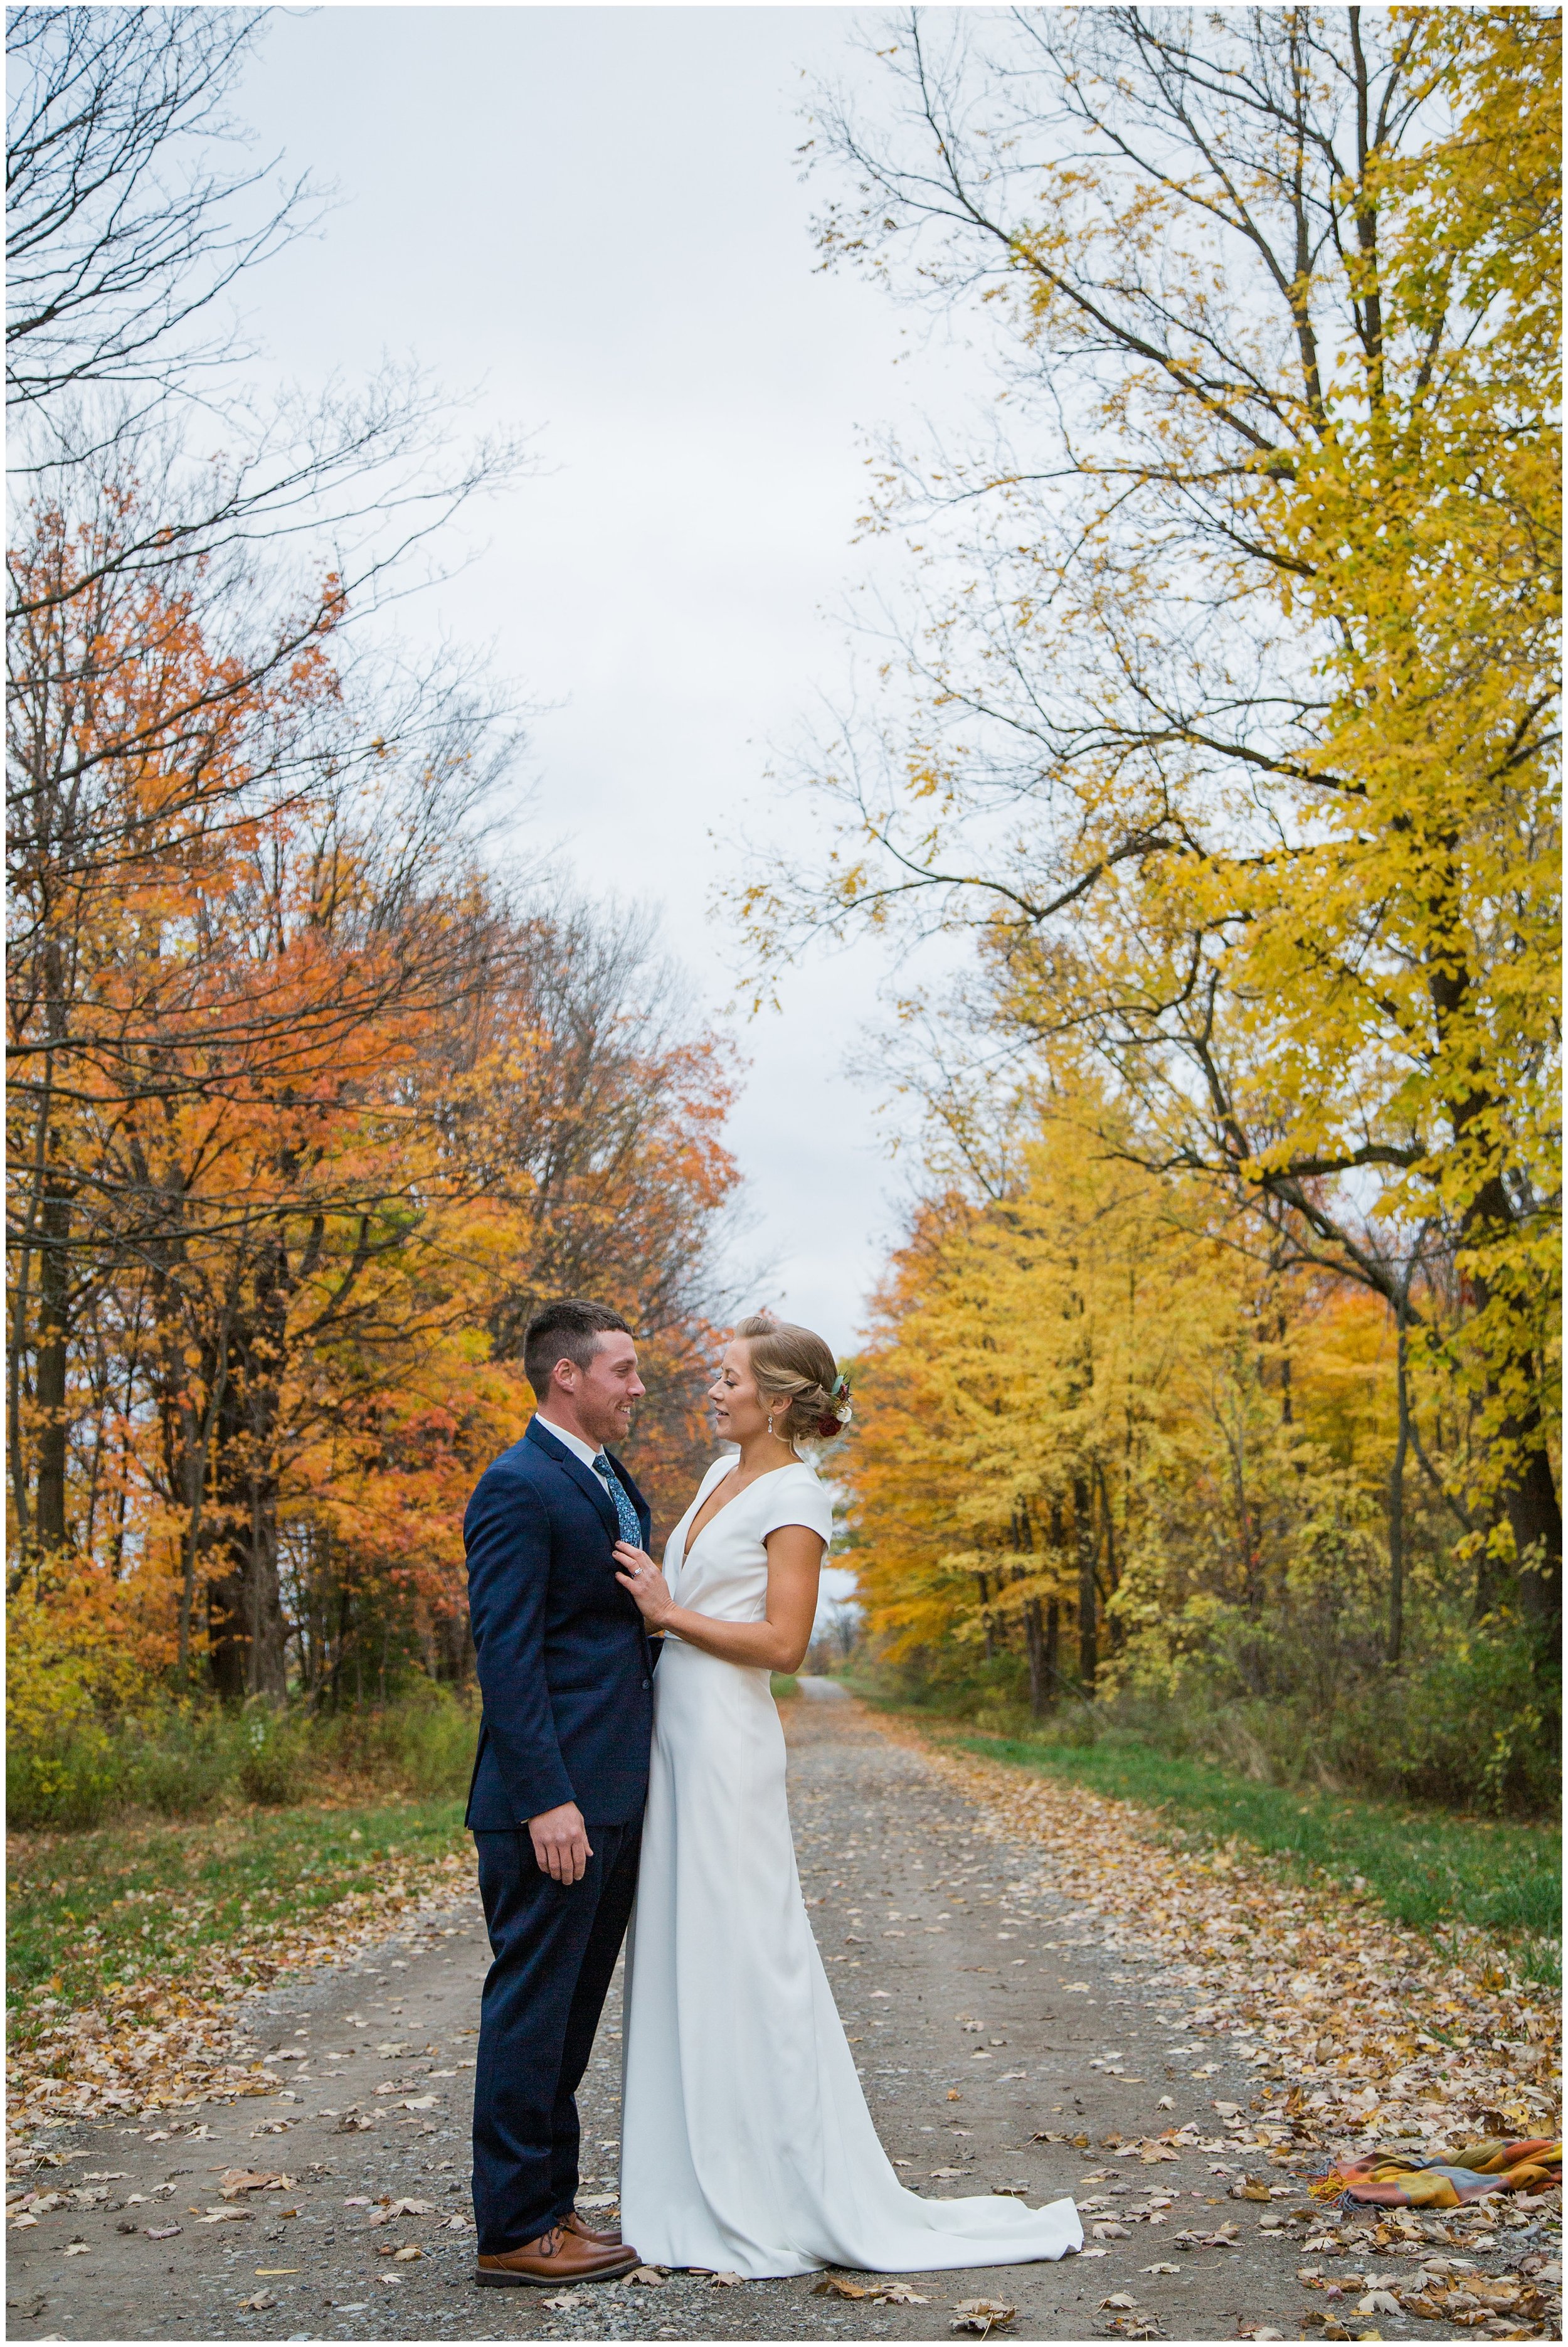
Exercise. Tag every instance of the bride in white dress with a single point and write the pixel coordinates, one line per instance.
(746, 2144)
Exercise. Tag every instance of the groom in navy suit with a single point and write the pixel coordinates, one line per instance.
(566, 1671)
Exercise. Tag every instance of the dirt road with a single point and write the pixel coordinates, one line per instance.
(983, 2011)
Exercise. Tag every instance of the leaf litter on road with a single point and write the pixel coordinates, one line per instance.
(169, 2042)
(1363, 2031)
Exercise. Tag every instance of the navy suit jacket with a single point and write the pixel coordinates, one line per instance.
(565, 1665)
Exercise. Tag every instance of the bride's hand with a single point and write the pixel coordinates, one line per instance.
(649, 1589)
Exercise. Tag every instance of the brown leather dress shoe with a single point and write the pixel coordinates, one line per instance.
(580, 2226)
(557, 2256)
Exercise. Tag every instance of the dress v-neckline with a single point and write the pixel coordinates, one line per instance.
(687, 1546)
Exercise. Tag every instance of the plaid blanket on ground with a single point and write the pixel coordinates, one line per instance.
(1389, 2180)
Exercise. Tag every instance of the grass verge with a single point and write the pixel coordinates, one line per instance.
(93, 1917)
(1427, 1868)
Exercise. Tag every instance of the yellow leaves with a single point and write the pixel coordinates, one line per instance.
(1081, 1358)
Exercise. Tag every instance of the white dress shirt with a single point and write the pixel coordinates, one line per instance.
(574, 1442)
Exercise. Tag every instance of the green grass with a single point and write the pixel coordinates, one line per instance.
(1426, 1868)
(93, 1913)
(784, 1683)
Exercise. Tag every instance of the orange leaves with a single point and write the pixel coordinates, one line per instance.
(305, 1118)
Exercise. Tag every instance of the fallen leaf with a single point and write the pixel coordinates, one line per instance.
(408, 2250)
(831, 2286)
(263, 2298)
(982, 2315)
(410, 2207)
(897, 2293)
(1163, 2268)
(650, 2276)
(162, 2232)
(1111, 2231)
(1120, 2301)
(726, 2281)
(1377, 2302)
(78, 2249)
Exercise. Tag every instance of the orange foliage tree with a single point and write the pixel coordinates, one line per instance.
(306, 1113)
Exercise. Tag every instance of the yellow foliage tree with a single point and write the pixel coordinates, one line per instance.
(1097, 1426)
(1233, 743)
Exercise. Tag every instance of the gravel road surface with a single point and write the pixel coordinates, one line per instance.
(984, 2011)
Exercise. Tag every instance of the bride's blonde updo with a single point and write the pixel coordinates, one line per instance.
(793, 1366)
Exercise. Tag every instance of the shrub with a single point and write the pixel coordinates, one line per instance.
(61, 1780)
(421, 1744)
(272, 1757)
(1470, 1726)
(185, 1770)
(190, 1760)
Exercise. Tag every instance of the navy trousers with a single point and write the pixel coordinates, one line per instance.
(555, 1948)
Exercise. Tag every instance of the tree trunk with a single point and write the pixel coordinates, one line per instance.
(1088, 1595)
(50, 1529)
(1053, 1646)
(1040, 1685)
(245, 1610)
(1397, 1500)
(1114, 1622)
(1527, 1487)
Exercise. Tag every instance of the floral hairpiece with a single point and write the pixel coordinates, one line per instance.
(838, 1394)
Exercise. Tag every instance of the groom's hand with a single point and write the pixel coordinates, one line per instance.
(560, 1842)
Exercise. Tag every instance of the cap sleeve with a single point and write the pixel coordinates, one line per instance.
(797, 1499)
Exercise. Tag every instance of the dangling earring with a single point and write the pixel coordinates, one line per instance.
(769, 1421)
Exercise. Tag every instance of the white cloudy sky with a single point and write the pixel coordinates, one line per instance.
(597, 211)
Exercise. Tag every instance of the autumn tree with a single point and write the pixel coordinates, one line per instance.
(309, 1093)
(323, 1106)
(1103, 1451)
(1229, 729)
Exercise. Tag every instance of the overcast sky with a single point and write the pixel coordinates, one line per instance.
(598, 213)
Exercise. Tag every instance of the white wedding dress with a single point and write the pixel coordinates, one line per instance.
(746, 2144)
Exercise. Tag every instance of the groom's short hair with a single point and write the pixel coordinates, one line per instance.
(568, 1331)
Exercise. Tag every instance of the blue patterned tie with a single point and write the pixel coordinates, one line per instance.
(626, 1514)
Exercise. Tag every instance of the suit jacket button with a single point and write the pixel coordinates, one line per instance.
(645, 1683)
